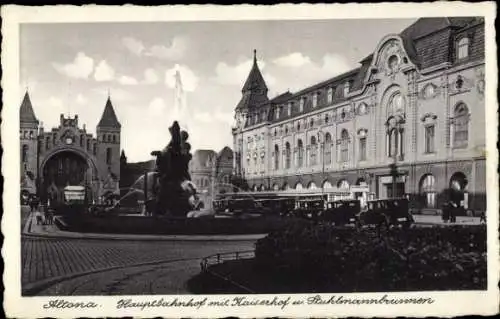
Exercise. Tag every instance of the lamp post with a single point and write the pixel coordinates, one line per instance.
(394, 173)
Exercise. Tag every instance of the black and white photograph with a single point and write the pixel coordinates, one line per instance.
(236, 158)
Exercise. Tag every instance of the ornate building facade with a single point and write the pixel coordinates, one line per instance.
(69, 155)
(416, 102)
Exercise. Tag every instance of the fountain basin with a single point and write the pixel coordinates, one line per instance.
(162, 225)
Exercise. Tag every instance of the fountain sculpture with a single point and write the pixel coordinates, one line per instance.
(175, 191)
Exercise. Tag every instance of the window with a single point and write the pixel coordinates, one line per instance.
(429, 90)
(311, 123)
(263, 115)
(343, 184)
(362, 148)
(288, 154)
(429, 139)
(25, 153)
(393, 62)
(114, 138)
(286, 129)
(330, 95)
(109, 158)
(315, 99)
(463, 48)
(300, 153)
(344, 146)
(81, 140)
(256, 119)
(276, 157)
(461, 126)
(298, 126)
(396, 104)
(301, 104)
(47, 142)
(393, 142)
(347, 88)
(428, 191)
(328, 149)
(94, 151)
(290, 108)
(31, 135)
(362, 109)
(275, 132)
(312, 151)
(277, 113)
(327, 118)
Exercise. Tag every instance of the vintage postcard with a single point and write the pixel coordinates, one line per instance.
(250, 161)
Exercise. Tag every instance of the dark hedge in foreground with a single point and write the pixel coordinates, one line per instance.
(323, 258)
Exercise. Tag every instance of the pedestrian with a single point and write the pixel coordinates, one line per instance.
(39, 217)
(482, 217)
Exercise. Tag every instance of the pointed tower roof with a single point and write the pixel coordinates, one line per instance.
(254, 79)
(108, 118)
(255, 88)
(26, 113)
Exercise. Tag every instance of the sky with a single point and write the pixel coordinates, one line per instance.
(71, 68)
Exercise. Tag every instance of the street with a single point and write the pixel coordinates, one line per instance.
(46, 258)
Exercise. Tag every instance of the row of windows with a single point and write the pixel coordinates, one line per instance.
(110, 138)
(278, 111)
(394, 143)
(27, 134)
(204, 182)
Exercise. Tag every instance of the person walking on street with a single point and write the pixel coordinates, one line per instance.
(482, 218)
(39, 217)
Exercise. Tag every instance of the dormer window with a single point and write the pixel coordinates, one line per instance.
(301, 104)
(315, 99)
(290, 108)
(263, 115)
(347, 88)
(463, 48)
(277, 113)
(330, 95)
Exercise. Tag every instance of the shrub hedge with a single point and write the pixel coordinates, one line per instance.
(325, 258)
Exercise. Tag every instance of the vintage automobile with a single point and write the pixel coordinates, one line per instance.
(308, 208)
(397, 212)
(341, 212)
(387, 212)
(373, 215)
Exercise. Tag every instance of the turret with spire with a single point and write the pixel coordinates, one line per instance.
(254, 90)
(108, 134)
(28, 130)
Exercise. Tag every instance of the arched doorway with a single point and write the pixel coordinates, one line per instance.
(343, 184)
(458, 189)
(427, 191)
(65, 168)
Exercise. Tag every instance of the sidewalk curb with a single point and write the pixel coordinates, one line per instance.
(121, 237)
(30, 289)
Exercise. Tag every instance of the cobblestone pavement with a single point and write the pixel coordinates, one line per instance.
(164, 278)
(44, 258)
